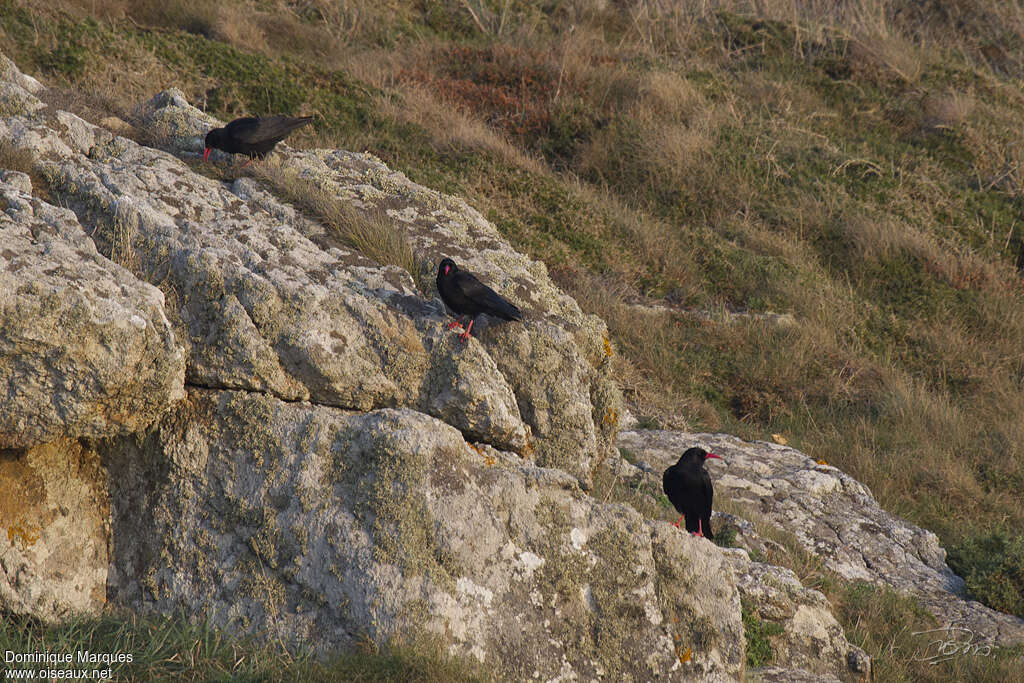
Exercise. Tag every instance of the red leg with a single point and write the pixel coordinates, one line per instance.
(679, 520)
(700, 529)
(456, 323)
(465, 335)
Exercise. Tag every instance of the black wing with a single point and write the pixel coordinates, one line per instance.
(707, 495)
(239, 129)
(483, 298)
(252, 131)
(670, 485)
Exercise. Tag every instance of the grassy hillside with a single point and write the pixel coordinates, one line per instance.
(856, 164)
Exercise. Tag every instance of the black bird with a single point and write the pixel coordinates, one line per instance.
(252, 136)
(467, 296)
(688, 485)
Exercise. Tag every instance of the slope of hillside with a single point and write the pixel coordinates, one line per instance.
(680, 172)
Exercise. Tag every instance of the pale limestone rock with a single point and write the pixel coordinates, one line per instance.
(9, 73)
(555, 363)
(319, 525)
(257, 304)
(85, 348)
(264, 299)
(54, 522)
(811, 639)
(832, 516)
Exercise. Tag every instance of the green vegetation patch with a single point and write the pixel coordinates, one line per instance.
(993, 567)
(758, 634)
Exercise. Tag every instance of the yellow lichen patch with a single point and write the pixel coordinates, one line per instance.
(611, 418)
(607, 347)
(685, 656)
(780, 439)
(20, 532)
(822, 462)
(488, 459)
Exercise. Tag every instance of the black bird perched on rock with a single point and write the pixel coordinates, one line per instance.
(688, 485)
(252, 136)
(467, 296)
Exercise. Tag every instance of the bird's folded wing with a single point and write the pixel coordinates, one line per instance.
(268, 128)
(485, 297)
(709, 493)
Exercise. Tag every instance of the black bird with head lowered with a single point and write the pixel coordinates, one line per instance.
(688, 485)
(467, 296)
(252, 136)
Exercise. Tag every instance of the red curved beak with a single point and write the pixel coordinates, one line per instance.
(712, 455)
(206, 153)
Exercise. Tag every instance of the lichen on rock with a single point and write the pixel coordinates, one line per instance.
(71, 322)
(54, 518)
(388, 523)
(833, 517)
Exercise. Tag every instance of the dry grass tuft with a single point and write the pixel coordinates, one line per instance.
(454, 127)
(17, 158)
(671, 95)
(374, 236)
(24, 161)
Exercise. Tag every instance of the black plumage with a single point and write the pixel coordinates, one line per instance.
(252, 136)
(688, 485)
(467, 296)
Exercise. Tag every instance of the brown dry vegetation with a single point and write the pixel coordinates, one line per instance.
(855, 163)
(375, 236)
(22, 160)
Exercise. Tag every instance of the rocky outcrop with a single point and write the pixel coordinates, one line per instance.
(555, 364)
(325, 527)
(262, 301)
(85, 352)
(231, 415)
(55, 516)
(809, 640)
(833, 517)
(72, 322)
(302, 488)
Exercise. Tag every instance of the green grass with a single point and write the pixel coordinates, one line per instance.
(902, 638)
(165, 649)
(758, 635)
(993, 567)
